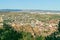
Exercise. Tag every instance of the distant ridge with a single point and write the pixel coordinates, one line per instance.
(16, 10)
(9, 10)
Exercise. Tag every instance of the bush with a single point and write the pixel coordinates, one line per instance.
(9, 34)
(59, 26)
(54, 36)
(40, 38)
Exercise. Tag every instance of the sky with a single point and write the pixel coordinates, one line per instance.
(30, 4)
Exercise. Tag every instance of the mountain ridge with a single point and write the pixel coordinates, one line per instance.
(19, 10)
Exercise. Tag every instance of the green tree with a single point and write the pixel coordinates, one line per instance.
(59, 26)
(7, 33)
(54, 36)
(40, 38)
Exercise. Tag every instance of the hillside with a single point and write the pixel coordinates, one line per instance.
(36, 24)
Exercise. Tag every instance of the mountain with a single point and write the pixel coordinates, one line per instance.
(17, 10)
(9, 10)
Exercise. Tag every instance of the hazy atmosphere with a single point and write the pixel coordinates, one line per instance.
(29, 19)
(30, 4)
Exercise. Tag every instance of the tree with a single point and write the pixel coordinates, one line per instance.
(54, 36)
(59, 26)
(7, 33)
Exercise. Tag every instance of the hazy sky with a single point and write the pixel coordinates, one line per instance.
(30, 4)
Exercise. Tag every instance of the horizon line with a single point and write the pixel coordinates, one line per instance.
(30, 9)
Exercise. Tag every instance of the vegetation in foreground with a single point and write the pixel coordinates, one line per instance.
(9, 33)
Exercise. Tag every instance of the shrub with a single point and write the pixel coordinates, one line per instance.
(9, 34)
